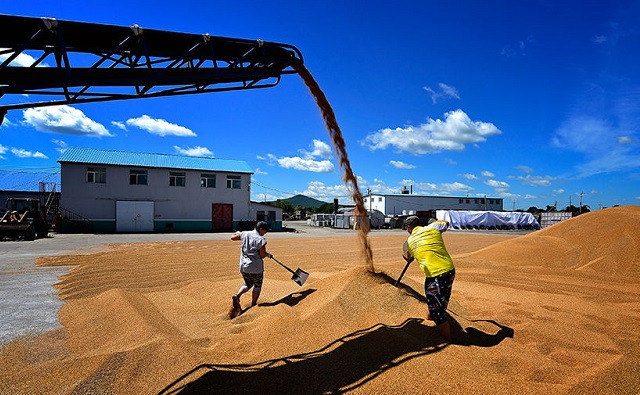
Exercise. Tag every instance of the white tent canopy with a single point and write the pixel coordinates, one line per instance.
(488, 219)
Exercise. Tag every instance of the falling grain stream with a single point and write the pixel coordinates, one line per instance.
(348, 177)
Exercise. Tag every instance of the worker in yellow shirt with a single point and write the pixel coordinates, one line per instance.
(426, 246)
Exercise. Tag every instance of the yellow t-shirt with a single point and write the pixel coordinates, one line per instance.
(425, 244)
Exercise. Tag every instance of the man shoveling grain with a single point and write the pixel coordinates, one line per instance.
(425, 244)
(252, 252)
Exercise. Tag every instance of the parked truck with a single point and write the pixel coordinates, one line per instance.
(24, 219)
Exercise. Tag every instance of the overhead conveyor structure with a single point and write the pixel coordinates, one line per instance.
(76, 62)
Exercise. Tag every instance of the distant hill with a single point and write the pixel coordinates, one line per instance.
(305, 201)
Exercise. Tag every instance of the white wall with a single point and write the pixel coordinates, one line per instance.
(395, 204)
(97, 201)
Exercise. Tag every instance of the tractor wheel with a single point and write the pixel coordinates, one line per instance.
(30, 233)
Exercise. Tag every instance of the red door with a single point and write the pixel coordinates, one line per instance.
(221, 216)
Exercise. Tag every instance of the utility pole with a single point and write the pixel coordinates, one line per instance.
(370, 198)
(581, 193)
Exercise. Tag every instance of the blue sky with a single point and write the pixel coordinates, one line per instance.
(532, 101)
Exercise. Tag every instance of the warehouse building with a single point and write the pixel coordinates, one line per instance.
(407, 204)
(118, 191)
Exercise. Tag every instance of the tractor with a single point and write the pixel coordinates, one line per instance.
(24, 219)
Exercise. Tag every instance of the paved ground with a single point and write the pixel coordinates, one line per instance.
(28, 301)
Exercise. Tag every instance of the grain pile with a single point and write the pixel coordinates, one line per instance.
(149, 318)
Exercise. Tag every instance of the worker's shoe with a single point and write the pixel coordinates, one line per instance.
(236, 302)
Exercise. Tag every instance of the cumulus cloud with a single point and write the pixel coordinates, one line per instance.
(469, 176)
(599, 39)
(524, 169)
(437, 135)
(308, 161)
(605, 149)
(536, 181)
(119, 125)
(487, 173)
(61, 145)
(64, 120)
(22, 60)
(160, 127)
(257, 171)
(558, 191)
(624, 140)
(401, 165)
(319, 149)
(22, 153)
(499, 186)
(6, 123)
(297, 163)
(318, 190)
(445, 91)
(437, 189)
(195, 151)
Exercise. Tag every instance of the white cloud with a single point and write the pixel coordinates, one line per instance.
(297, 163)
(487, 173)
(195, 151)
(437, 189)
(320, 191)
(119, 125)
(320, 149)
(401, 165)
(451, 161)
(434, 136)
(536, 181)
(22, 60)
(624, 140)
(308, 162)
(160, 127)
(6, 123)
(62, 146)
(596, 139)
(3, 150)
(22, 153)
(64, 120)
(261, 157)
(599, 39)
(445, 91)
(264, 197)
(524, 169)
(558, 191)
(257, 171)
(469, 176)
(499, 186)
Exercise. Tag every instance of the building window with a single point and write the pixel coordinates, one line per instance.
(467, 201)
(379, 199)
(233, 182)
(207, 180)
(271, 216)
(475, 201)
(460, 201)
(138, 177)
(97, 175)
(260, 216)
(177, 179)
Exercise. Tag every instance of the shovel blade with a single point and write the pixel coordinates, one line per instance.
(300, 276)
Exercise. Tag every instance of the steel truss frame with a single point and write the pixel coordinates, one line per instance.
(118, 62)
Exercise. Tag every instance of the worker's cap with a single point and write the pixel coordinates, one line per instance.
(412, 220)
(262, 225)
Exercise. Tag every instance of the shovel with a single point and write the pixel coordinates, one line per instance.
(299, 276)
(403, 271)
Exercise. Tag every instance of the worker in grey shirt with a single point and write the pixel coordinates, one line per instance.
(252, 252)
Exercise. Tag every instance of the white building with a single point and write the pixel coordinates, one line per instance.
(117, 191)
(407, 204)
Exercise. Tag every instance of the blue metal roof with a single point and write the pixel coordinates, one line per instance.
(124, 158)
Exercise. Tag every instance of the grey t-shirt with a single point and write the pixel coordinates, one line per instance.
(250, 261)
